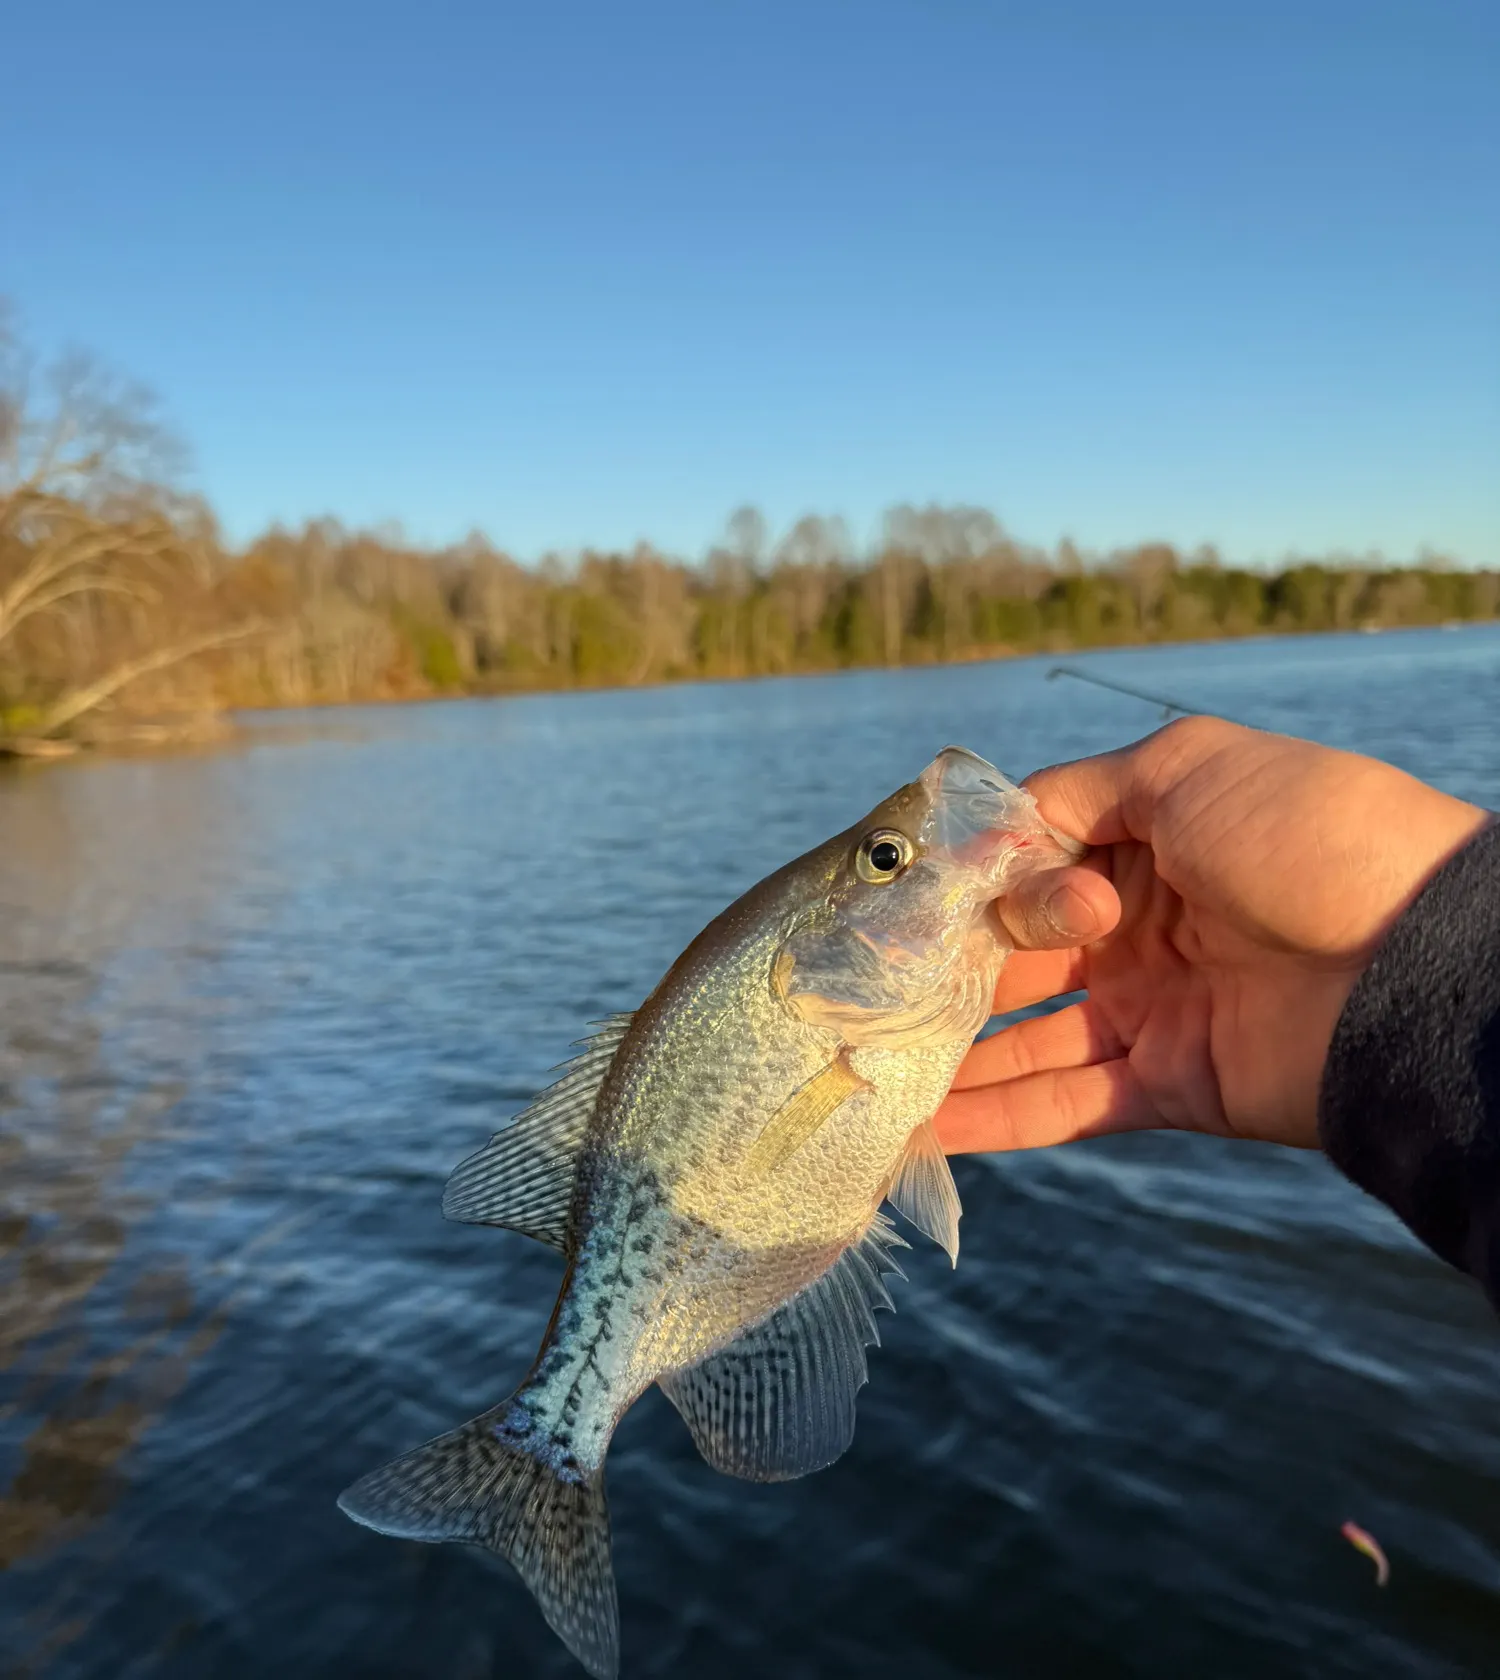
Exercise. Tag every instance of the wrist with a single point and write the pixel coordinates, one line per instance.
(1430, 837)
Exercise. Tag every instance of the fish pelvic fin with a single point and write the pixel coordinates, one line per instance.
(504, 1482)
(779, 1401)
(923, 1190)
(523, 1177)
(801, 1115)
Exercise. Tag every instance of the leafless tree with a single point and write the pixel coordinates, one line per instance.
(88, 515)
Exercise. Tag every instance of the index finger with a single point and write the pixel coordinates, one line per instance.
(1033, 976)
(1088, 797)
(1112, 797)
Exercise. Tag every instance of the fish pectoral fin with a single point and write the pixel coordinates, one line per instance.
(779, 1401)
(801, 1115)
(523, 1177)
(923, 1190)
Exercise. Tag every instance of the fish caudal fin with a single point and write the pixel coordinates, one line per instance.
(501, 1481)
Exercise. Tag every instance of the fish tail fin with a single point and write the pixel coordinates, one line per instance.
(504, 1482)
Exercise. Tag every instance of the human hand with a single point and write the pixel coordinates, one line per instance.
(1241, 883)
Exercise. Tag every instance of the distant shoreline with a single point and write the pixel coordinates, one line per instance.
(719, 679)
(323, 618)
(226, 726)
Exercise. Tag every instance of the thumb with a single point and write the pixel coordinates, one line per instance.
(1059, 907)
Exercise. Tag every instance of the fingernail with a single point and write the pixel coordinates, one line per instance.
(1070, 913)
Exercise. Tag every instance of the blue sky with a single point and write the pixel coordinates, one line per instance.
(583, 273)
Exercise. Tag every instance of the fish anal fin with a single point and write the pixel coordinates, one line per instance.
(523, 1177)
(800, 1116)
(923, 1190)
(779, 1401)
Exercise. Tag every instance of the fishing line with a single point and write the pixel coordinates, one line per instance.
(1167, 704)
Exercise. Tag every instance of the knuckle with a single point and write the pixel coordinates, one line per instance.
(1187, 741)
(1022, 1059)
(1194, 733)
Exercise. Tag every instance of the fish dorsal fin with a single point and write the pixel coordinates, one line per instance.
(801, 1115)
(523, 1177)
(923, 1190)
(778, 1402)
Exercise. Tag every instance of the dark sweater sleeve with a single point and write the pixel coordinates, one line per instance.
(1410, 1101)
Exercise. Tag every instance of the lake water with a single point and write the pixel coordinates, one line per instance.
(255, 1004)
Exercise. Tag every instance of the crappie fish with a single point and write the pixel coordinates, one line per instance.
(713, 1168)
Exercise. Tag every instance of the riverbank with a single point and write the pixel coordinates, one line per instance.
(151, 612)
(222, 726)
(123, 735)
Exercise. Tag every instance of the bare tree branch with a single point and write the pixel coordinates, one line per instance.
(77, 553)
(80, 700)
(48, 598)
(78, 429)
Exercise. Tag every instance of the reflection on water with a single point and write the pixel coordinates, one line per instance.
(77, 1400)
(96, 1339)
(254, 1005)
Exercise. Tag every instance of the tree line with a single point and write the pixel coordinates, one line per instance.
(119, 598)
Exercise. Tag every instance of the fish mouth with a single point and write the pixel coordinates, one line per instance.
(981, 820)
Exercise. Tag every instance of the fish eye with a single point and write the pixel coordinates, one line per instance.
(883, 855)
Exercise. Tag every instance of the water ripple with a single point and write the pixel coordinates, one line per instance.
(253, 1008)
